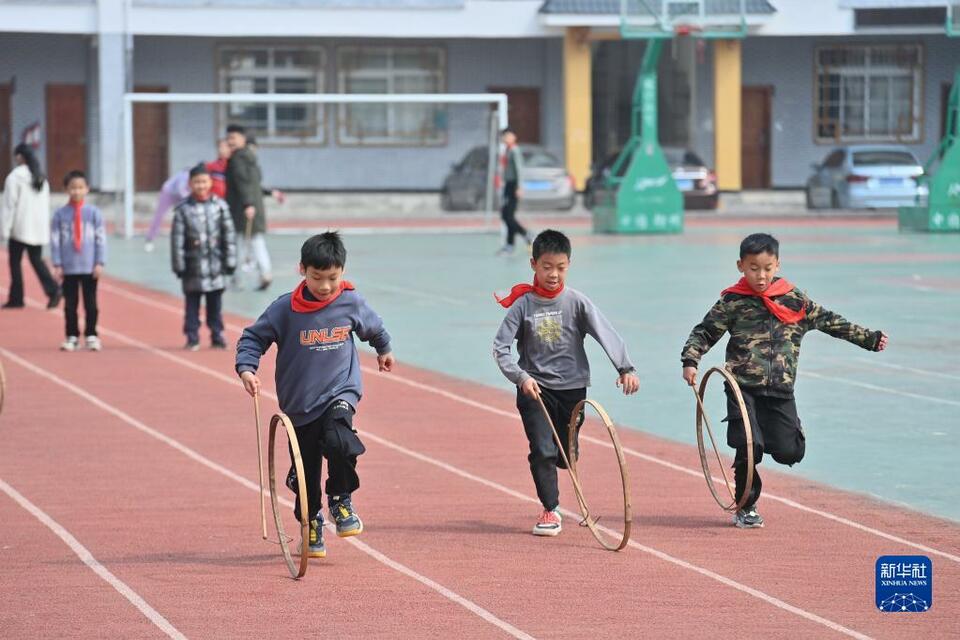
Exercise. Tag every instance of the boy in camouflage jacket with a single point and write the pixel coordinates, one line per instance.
(767, 318)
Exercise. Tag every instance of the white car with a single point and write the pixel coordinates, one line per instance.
(866, 177)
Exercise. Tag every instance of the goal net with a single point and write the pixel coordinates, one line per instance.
(314, 145)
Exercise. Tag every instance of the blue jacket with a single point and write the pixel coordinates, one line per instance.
(93, 249)
(317, 361)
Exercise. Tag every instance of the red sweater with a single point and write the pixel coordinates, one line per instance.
(218, 172)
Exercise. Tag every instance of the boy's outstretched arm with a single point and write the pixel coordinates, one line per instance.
(833, 324)
(597, 326)
(253, 343)
(368, 326)
(702, 338)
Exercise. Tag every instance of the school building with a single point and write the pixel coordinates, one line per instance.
(811, 74)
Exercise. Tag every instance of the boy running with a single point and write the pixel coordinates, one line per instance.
(549, 323)
(318, 376)
(767, 318)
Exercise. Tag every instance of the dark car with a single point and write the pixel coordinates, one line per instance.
(546, 182)
(696, 182)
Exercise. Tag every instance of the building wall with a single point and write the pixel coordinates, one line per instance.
(33, 62)
(787, 64)
(188, 65)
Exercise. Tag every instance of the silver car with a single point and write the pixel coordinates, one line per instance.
(546, 182)
(866, 177)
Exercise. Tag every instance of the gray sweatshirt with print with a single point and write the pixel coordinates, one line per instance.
(549, 335)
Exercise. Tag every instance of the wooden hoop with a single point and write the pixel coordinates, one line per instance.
(588, 521)
(702, 419)
(296, 572)
(3, 386)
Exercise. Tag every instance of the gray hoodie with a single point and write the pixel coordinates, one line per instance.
(550, 335)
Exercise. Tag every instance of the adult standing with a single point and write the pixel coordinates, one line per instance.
(511, 171)
(25, 221)
(245, 197)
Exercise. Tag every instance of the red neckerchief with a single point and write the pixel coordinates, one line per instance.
(776, 288)
(77, 225)
(523, 289)
(300, 304)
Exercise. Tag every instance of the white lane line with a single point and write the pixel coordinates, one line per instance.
(88, 559)
(756, 593)
(875, 387)
(469, 605)
(900, 367)
(695, 473)
(443, 465)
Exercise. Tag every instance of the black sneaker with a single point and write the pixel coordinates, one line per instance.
(217, 342)
(348, 522)
(748, 518)
(55, 300)
(317, 548)
(13, 305)
(192, 345)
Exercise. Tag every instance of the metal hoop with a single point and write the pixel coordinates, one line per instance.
(588, 521)
(296, 572)
(734, 504)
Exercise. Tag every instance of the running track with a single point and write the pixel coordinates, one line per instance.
(128, 508)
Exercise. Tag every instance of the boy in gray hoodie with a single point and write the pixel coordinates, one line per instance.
(318, 376)
(549, 323)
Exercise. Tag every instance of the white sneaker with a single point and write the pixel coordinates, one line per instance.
(72, 343)
(148, 247)
(549, 523)
(93, 343)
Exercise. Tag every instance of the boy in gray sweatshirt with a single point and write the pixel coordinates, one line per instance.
(318, 376)
(549, 323)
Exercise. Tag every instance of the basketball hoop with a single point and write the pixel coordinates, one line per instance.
(686, 29)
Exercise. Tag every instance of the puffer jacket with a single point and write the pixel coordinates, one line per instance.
(24, 211)
(203, 247)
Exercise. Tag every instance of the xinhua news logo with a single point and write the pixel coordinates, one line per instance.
(904, 584)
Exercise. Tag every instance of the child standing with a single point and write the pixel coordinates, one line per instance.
(78, 251)
(549, 322)
(318, 376)
(203, 251)
(767, 318)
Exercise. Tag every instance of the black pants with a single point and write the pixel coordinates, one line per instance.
(508, 212)
(71, 297)
(544, 456)
(333, 437)
(35, 253)
(191, 320)
(776, 430)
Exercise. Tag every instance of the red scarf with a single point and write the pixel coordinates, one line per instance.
(300, 304)
(523, 289)
(776, 288)
(77, 225)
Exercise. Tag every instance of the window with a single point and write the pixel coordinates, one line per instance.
(884, 158)
(392, 70)
(274, 70)
(868, 93)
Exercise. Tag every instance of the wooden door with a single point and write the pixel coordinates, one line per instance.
(6, 145)
(66, 131)
(151, 135)
(755, 137)
(523, 111)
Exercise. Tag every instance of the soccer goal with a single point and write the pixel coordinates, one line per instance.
(323, 142)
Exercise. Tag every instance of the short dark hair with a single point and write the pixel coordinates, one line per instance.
(76, 173)
(323, 251)
(757, 243)
(550, 241)
(199, 170)
(507, 130)
(236, 128)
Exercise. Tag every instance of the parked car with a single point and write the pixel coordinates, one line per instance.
(546, 183)
(866, 177)
(696, 181)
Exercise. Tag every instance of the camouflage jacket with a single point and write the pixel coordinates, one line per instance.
(763, 352)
